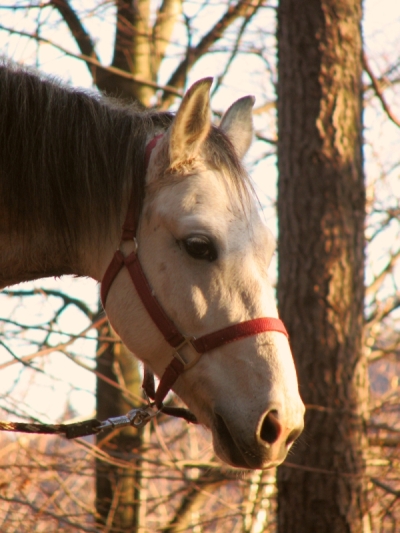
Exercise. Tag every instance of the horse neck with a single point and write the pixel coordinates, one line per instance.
(41, 253)
(66, 165)
(26, 258)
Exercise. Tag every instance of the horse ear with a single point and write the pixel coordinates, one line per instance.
(237, 123)
(191, 124)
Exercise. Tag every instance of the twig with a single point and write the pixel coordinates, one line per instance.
(379, 92)
(243, 8)
(45, 351)
(122, 73)
(385, 487)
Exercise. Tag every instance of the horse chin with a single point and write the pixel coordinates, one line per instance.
(229, 451)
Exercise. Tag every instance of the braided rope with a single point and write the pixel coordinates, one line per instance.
(91, 426)
(70, 431)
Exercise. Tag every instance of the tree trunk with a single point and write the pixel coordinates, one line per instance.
(321, 210)
(117, 488)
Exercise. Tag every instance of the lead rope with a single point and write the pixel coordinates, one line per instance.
(137, 418)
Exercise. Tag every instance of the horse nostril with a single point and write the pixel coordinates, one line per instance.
(270, 428)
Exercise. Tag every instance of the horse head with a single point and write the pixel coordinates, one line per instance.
(205, 253)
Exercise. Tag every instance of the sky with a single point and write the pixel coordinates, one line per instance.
(47, 398)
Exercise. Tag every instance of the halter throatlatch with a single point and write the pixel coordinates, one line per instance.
(168, 329)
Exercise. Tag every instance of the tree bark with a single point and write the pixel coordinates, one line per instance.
(139, 48)
(321, 210)
(117, 488)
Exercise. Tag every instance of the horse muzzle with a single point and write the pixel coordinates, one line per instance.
(264, 447)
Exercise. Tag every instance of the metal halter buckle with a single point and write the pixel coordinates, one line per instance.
(143, 415)
(179, 356)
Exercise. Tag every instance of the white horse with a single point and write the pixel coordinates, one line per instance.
(200, 240)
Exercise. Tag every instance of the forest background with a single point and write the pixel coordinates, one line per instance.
(49, 348)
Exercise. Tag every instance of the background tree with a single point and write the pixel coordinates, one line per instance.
(321, 213)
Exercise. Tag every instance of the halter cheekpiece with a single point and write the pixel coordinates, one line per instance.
(170, 332)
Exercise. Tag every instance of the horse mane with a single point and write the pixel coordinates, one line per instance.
(65, 155)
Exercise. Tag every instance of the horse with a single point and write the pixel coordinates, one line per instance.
(76, 167)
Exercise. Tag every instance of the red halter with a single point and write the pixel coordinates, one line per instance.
(168, 329)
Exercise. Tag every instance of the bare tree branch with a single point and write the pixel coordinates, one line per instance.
(243, 8)
(391, 304)
(67, 299)
(379, 92)
(112, 70)
(81, 36)
(195, 496)
(167, 17)
(374, 286)
(233, 54)
(385, 487)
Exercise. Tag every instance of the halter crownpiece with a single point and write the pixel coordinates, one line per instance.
(168, 329)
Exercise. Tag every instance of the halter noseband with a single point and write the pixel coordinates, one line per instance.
(168, 329)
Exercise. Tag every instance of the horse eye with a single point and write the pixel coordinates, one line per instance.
(200, 247)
